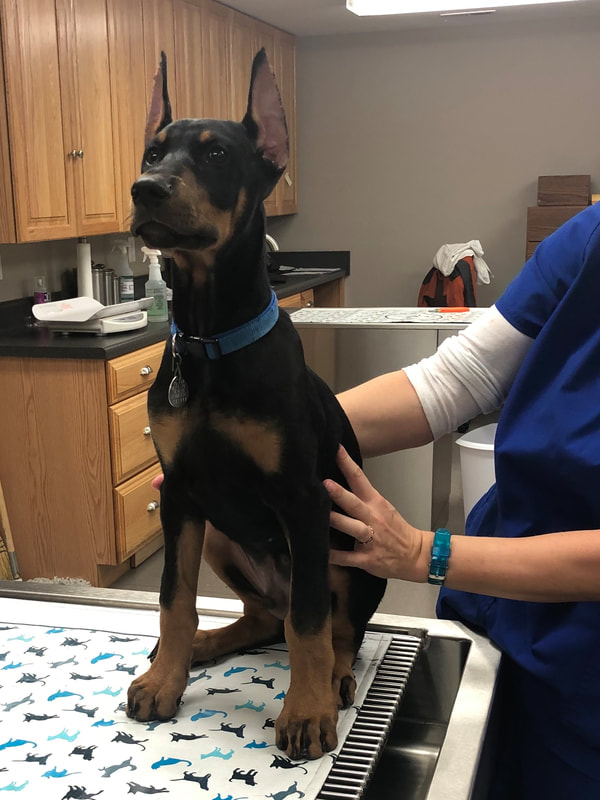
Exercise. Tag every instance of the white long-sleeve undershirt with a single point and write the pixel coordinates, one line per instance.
(470, 373)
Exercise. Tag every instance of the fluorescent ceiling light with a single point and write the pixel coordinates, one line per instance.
(372, 8)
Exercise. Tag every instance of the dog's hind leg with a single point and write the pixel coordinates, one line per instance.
(157, 693)
(344, 635)
(257, 627)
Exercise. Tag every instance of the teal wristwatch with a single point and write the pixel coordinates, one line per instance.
(440, 553)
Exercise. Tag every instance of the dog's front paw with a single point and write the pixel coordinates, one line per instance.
(305, 730)
(155, 695)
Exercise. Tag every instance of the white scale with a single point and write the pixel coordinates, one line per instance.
(85, 315)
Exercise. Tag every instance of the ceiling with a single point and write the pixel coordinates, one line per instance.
(329, 17)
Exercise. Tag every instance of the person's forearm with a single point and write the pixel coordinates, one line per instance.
(386, 415)
(554, 567)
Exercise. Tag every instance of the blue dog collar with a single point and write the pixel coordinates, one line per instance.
(221, 344)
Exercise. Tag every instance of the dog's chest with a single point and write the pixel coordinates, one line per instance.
(215, 436)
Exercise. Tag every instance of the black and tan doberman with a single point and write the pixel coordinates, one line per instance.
(244, 431)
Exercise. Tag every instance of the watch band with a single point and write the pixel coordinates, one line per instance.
(440, 553)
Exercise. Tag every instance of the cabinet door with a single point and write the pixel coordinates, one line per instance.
(216, 62)
(36, 81)
(243, 46)
(285, 72)
(159, 36)
(188, 22)
(128, 97)
(97, 180)
(265, 36)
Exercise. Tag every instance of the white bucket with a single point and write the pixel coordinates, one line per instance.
(477, 463)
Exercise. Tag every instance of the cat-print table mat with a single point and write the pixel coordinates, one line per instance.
(64, 731)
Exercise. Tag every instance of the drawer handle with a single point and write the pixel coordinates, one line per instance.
(146, 370)
(152, 506)
(147, 430)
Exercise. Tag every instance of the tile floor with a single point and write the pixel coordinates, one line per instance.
(403, 598)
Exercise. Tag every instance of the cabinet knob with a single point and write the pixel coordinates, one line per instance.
(146, 370)
(147, 430)
(309, 304)
(79, 154)
(152, 506)
(72, 154)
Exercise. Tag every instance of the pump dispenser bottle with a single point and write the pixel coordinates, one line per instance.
(124, 272)
(156, 288)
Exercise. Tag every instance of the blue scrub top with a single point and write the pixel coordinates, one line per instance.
(547, 460)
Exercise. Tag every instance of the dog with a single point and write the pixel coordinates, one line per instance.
(245, 432)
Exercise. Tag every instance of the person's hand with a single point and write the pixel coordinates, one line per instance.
(386, 545)
(157, 482)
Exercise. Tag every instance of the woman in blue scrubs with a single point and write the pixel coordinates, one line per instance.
(527, 573)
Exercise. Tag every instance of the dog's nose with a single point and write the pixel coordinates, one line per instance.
(151, 189)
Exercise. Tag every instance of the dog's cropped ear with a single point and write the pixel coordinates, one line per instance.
(265, 119)
(159, 114)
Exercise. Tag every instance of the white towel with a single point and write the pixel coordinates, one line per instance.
(449, 255)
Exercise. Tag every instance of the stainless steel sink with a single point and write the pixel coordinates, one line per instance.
(435, 748)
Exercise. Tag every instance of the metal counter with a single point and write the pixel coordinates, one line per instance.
(436, 741)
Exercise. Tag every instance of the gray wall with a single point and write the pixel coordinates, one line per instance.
(409, 141)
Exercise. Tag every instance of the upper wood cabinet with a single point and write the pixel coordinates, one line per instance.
(285, 67)
(247, 36)
(201, 29)
(78, 77)
(59, 113)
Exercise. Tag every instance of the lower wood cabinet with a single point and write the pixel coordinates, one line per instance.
(77, 458)
(77, 462)
(137, 513)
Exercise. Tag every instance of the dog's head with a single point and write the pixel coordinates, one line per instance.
(202, 178)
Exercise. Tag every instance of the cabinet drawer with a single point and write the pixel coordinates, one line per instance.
(137, 516)
(131, 444)
(300, 300)
(133, 372)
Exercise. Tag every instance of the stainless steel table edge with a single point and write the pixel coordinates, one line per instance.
(461, 751)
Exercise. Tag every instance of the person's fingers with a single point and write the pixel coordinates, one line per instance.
(357, 480)
(353, 527)
(156, 482)
(346, 500)
(346, 558)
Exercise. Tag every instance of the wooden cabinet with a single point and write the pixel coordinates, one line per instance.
(285, 70)
(201, 31)
(78, 77)
(133, 457)
(247, 36)
(300, 300)
(77, 462)
(59, 115)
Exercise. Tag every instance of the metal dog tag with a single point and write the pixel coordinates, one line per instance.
(178, 393)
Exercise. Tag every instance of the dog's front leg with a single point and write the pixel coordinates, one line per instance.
(306, 727)
(157, 693)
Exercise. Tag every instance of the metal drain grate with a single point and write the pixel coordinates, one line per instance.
(364, 744)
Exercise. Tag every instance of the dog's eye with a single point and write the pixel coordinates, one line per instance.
(152, 155)
(216, 155)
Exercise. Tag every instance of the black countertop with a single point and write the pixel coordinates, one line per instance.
(33, 341)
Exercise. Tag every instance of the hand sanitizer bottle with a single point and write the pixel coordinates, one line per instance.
(156, 288)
